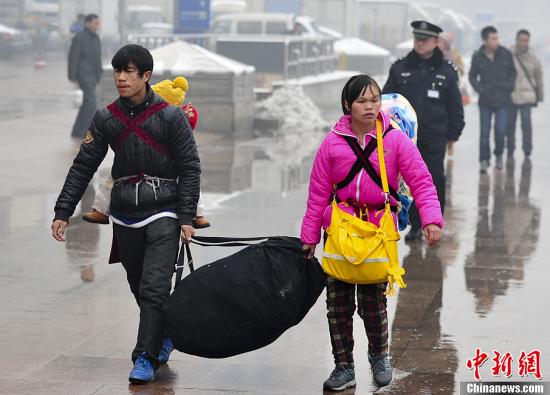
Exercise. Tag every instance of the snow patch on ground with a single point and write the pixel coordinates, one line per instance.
(302, 125)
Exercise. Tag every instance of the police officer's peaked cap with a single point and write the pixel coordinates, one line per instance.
(424, 30)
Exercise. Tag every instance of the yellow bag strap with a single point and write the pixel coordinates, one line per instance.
(383, 174)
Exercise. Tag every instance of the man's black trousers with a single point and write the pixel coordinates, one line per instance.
(433, 154)
(87, 109)
(148, 254)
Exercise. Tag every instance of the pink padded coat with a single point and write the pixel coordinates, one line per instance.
(333, 162)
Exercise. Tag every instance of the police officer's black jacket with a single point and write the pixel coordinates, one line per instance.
(168, 127)
(493, 80)
(431, 86)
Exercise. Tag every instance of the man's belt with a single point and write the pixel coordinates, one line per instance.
(137, 179)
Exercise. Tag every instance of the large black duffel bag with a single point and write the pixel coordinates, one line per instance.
(244, 301)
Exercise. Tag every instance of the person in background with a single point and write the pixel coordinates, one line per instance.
(528, 92)
(453, 55)
(40, 38)
(85, 71)
(430, 84)
(78, 25)
(492, 75)
(445, 44)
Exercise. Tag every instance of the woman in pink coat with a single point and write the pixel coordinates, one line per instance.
(361, 102)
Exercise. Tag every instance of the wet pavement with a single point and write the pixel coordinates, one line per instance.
(68, 320)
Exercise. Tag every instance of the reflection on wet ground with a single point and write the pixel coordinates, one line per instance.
(507, 233)
(28, 92)
(68, 320)
(418, 346)
(82, 242)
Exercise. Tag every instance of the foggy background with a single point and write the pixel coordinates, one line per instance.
(266, 101)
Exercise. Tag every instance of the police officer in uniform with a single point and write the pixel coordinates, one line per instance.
(430, 83)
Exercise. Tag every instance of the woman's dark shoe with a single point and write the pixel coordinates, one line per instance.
(340, 379)
(381, 370)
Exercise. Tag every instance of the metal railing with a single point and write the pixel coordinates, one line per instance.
(288, 56)
(307, 56)
(151, 41)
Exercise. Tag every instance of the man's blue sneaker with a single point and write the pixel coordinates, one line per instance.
(166, 350)
(143, 371)
(340, 379)
(381, 369)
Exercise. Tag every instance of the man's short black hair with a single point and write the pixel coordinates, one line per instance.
(486, 31)
(524, 32)
(90, 17)
(133, 54)
(355, 87)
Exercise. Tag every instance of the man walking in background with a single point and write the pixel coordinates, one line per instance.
(493, 76)
(430, 84)
(528, 91)
(85, 70)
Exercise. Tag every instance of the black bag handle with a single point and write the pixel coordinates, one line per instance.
(185, 249)
(206, 241)
(184, 252)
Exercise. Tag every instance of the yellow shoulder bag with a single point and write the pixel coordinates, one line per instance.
(359, 252)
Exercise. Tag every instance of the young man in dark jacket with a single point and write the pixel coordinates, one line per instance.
(156, 174)
(85, 70)
(492, 75)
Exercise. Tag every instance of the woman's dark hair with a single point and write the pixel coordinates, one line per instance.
(133, 54)
(355, 86)
(486, 31)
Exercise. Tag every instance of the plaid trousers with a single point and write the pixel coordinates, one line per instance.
(341, 307)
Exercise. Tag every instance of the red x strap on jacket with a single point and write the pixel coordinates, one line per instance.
(133, 125)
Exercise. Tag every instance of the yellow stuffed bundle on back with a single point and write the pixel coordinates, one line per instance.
(172, 91)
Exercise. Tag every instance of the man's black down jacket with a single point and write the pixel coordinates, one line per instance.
(170, 128)
(495, 79)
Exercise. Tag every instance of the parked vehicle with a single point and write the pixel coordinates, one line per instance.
(146, 19)
(12, 41)
(269, 24)
(222, 7)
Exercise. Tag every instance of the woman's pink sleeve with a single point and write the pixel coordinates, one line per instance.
(320, 190)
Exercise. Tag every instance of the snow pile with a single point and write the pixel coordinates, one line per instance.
(356, 46)
(180, 57)
(302, 125)
(295, 110)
